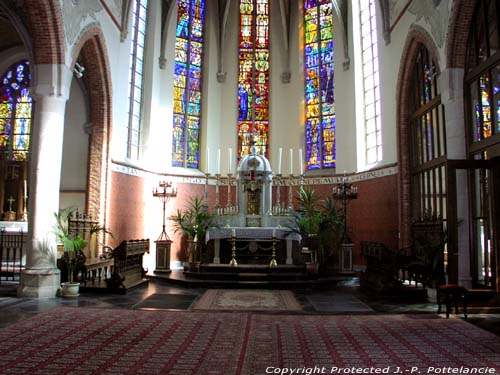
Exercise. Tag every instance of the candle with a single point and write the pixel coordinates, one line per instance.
(274, 233)
(234, 232)
(279, 160)
(218, 161)
(301, 162)
(230, 159)
(208, 160)
(291, 161)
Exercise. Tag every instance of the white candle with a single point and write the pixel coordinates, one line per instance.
(274, 233)
(291, 161)
(208, 160)
(301, 162)
(234, 232)
(279, 160)
(218, 161)
(230, 159)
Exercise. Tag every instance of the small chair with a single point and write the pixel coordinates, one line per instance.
(452, 293)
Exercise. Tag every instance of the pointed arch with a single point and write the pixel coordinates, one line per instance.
(417, 36)
(45, 25)
(458, 31)
(92, 51)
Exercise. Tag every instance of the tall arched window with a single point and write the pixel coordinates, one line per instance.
(15, 112)
(139, 14)
(427, 141)
(253, 78)
(187, 83)
(371, 85)
(319, 84)
(482, 105)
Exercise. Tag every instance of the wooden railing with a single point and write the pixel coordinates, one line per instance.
(12, 256)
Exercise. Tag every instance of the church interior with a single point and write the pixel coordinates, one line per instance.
(313, 160)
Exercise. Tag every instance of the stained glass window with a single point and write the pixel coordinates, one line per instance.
(482, 77)
(15, 112)
(371, 89)
(253, 78)
(135, 77)
(187, 83)
(319, 84)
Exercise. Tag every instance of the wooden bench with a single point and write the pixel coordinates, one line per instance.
(127, 269)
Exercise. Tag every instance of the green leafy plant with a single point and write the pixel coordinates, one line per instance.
(319, 222)
(73, 243)
(193, 222)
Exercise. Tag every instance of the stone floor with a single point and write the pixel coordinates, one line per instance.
(344, 299)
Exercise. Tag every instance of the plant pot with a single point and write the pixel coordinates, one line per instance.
(70, 289)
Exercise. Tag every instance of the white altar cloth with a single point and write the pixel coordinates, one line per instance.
(252, 234)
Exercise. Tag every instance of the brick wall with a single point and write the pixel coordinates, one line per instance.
(458, 32)
(371, 217)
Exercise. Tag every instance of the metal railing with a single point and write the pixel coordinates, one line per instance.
(12, 255)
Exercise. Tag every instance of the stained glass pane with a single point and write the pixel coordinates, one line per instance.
(15, 112)
(187, 83)
(319, 84)
(253, 78)
(484, 84)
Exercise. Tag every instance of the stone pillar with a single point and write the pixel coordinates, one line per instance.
(451, 81)
(41, 277)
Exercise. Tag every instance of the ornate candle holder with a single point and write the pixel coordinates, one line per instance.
(273, 263)
(207, 175)
(233, 262)
(290, 194)
(345, 192)
(217, 194)
(165, 192)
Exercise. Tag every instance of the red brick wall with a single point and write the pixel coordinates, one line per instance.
(371, 217)
(458, 32)
(126, 219)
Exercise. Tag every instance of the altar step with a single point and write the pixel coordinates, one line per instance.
(250, 276)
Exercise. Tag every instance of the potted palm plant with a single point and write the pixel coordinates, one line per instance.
(73, 257)
(193, 223)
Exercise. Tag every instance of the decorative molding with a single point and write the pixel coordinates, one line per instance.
(221, 77)
(74, 14)
(167, 9)
(114, 8)
(386, 20)
(435, 14)
(285, 7)
(126, 168)
(396, 11)
(223, 13)
(340, 8)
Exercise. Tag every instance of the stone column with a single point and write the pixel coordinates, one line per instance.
(451, 81)
(41, 277)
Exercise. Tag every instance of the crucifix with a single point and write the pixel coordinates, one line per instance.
(10, 200)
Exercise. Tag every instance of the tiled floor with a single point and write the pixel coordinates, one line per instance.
(341, 300)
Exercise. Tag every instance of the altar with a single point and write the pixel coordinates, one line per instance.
(254, 227)
(252, 236)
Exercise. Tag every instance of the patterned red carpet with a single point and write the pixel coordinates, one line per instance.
(119, 341)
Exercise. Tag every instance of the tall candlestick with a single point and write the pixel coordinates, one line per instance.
(208, 160)
(301, 162)
(291, 161)
(230, 159)
(218, 161)
(279, 160)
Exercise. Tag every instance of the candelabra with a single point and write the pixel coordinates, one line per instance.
(345, 191)
(165, 192)
(233, 262)
(229, 205)
(217, 194)
(290, 195)
(207, 175)
(273, 263)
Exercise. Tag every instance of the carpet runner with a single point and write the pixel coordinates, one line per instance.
(122, 341)
(241, 299)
